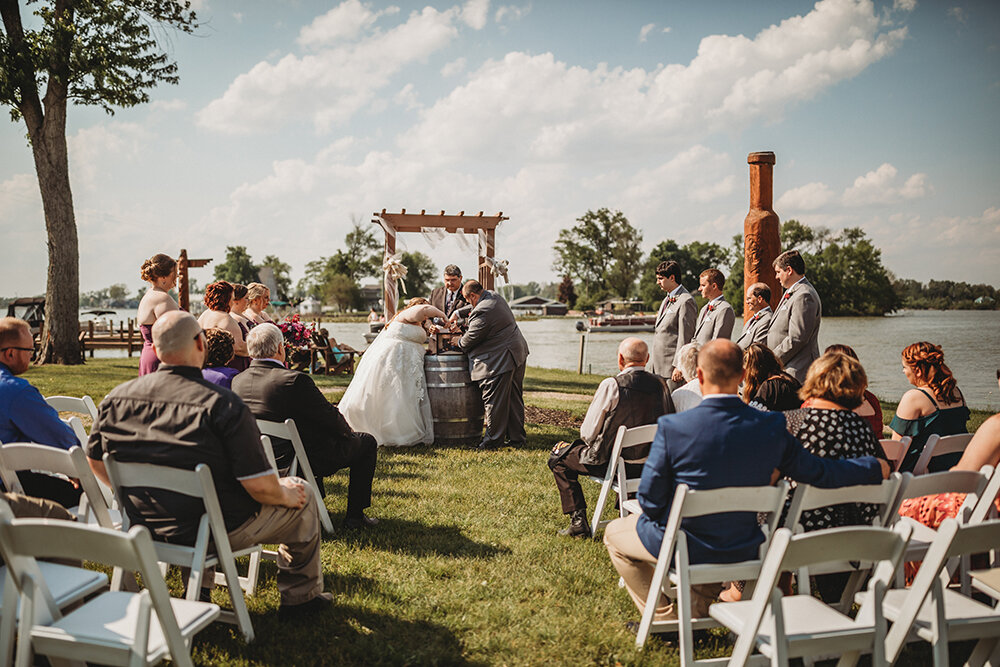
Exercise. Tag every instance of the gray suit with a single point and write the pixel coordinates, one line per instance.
(497, 353)
(715, 323)
(675, 325)
(755, 328)
(794, 332)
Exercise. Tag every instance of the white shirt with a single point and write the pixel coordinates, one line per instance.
(687, 396)
(605, 400)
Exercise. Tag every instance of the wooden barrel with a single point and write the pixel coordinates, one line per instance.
(456, 401)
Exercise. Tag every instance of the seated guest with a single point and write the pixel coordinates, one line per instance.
(259, 297)
(828, 427)
(26, 417)
(631, 398)
(767, 386)
(935, 406)
(29, 507)
(688, 395)
(870, 409)
(176, 418)
(722, 442)
(218, 301)
(274, 393)
(218, 354)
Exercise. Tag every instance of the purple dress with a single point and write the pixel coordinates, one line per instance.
(148, 361)
(240, 363)
(220, 375)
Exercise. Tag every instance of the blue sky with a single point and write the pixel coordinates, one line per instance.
(294, 118)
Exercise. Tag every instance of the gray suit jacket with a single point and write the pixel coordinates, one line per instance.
(493, 341)
(755, 329)
(794, 332)
(715, 323)
(675, 325)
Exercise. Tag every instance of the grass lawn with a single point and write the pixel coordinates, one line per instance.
(465, 566)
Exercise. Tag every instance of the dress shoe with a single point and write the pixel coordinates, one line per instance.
(488, 446)
(316, 605)
(578, 526)
(360, 521)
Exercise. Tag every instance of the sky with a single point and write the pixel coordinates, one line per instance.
(294, 118)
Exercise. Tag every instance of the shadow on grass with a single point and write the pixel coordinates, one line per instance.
(421, 539)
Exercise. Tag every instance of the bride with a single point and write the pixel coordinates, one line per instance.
(388, 395)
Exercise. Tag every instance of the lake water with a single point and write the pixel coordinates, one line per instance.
(971, 342)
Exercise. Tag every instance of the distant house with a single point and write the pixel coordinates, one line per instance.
(371, 296)
(621, 305)
(537, 305)
(310, 306)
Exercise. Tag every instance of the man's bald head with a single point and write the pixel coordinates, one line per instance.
(633, 352)
(176, 339)
(720, 364)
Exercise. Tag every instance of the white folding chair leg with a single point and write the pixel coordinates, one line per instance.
(602, 500)
(8, 619)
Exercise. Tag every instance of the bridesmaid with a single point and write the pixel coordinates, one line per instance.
(260, 298)
(160, 271)
(218, 303)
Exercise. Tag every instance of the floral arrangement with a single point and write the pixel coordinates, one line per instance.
(297, 335)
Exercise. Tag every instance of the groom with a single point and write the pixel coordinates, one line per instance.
(497, 354)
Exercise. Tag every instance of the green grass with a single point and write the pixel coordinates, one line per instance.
(464, 567)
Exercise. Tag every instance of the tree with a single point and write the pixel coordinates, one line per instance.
(101, 53)
(282, 279)
(238, 267)
(693, 258)
(601, 254)
(567, 293)
(341, 291)
(420, 274)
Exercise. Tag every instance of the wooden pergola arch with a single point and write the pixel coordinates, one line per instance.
(453, 224)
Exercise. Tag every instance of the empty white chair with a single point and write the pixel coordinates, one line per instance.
(83, 405)
(938, 445)
(615, 478)
(196, 483)
(895, 450)
(66, 585)
(72, 463)
(116, 627)
(792, 626)
(673, 566)
(300, 464)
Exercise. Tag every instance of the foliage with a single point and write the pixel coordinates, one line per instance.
(945, 295)
(567, 292)
(693, 258)
(360, 258)
(282, 278)
(602, 254)
(420, 275)
(341, 291)
(733, 290)
(238, 267)
(114, 296)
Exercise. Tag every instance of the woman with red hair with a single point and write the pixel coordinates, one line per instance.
(936, 406)
(218, 301)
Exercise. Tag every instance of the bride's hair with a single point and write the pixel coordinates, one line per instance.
(416, 301)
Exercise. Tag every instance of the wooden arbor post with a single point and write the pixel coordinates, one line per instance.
(183, 289)
(483, 226)
(761, 241)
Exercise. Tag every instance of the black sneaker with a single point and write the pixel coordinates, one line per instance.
(578, 526)
(316, 605)
(358, 522)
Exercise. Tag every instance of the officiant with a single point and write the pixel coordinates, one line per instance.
(449, 299)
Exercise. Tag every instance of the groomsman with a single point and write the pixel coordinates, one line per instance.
(675, 324)
(448, 298)
(794, 332)
(717, 317)
(758, 301)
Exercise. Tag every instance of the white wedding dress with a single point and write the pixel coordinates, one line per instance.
(388, 395)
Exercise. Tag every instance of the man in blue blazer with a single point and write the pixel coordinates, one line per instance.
(720, 443)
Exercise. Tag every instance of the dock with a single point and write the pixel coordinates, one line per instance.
(127, 337)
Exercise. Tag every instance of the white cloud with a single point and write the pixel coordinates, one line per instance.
(238, 17)
(879, 187)
(905, 5)
(407, 97)
(511, 13)
(566, 112)
(475, 13)
(333, 84)
(168, 105)
(454, 67)
(667, 29)
(645, 30)
(959, 14)
(90, 148)
(344, 22)
(808, 197)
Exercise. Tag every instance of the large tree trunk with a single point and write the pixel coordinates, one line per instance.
(60, 337)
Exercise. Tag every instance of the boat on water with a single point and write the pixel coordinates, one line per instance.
(612, 323)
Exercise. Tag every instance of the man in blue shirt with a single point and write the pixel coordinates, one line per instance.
(720, 443)
(26, 417)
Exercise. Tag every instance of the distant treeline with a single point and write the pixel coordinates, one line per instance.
(945, 295)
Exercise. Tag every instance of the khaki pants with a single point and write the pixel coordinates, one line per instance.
(635, 565)
(297, 532)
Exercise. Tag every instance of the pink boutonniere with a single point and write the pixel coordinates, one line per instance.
(671, 299)
(711, 307)
(788, 295)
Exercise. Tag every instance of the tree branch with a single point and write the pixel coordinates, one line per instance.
(23, 72)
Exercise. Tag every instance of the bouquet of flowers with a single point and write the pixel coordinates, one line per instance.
(297, 335)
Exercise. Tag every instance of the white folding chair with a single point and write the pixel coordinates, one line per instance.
(969, 482)
(674, 551)
(67, 585)
(300, 464)
(196, 483)
(615, 478)
(83, 405)
(932, 611)
(72, 463)
(802, 626)
(895, 450)
(807, 497)
(938, 445)
(78, 430)
(114, 628)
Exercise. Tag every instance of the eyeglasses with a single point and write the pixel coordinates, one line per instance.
(23, 349)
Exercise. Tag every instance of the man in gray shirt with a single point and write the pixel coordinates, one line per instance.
(717, 317)
(758, 302)
(794, 332)
(675, 324)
